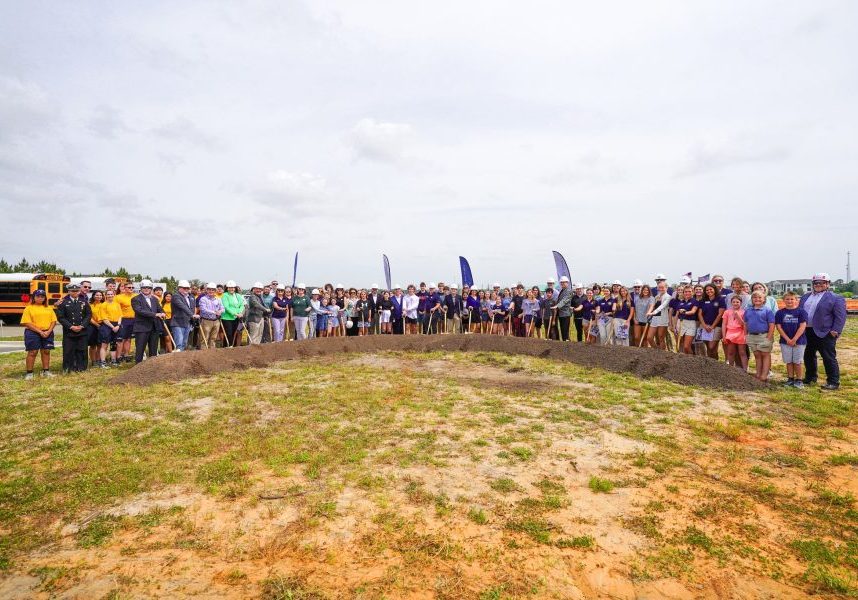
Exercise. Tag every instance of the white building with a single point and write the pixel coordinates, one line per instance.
(799, 286)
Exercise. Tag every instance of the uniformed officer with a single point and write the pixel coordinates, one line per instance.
(74, 314)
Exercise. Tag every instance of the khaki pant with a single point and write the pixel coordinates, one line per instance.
(209, 330)
(254, 331)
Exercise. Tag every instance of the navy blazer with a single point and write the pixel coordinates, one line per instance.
(145, 320)
(183, 310)
(830, 314)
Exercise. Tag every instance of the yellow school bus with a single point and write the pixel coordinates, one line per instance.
(17, 288)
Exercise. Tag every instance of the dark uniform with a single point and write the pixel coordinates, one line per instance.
(74, 312)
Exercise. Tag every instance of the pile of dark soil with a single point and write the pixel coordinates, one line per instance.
(643, 362)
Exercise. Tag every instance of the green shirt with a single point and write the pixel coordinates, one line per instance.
(233, 306)
(299, 306)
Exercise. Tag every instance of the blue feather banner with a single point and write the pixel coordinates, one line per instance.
(467, 276)
(387, 272)
(561, 266)
(295, 271)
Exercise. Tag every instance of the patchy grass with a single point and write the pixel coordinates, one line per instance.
(433, 482)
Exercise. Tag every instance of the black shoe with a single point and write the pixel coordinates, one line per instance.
(830, 387)
(810, 382)
(789, 382)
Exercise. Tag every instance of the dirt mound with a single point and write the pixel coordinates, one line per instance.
(643, 362)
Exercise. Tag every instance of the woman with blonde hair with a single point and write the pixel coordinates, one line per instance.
(623, 312)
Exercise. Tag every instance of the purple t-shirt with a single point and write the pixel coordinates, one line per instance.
(709, 309)
(687, 305)
(790, 319)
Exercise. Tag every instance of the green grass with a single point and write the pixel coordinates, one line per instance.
(599, 485)
(66, 452)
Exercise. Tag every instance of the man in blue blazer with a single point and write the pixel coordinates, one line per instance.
(184, 308)
(826, 318)
(148, 321)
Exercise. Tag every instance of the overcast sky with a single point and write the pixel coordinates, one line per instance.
(213, 139)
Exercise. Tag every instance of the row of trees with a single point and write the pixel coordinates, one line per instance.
(43, 266)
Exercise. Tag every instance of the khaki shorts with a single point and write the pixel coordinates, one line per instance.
(687, 327)
(759, 342)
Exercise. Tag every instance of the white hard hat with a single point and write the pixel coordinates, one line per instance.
(579, 285)
(280, 286)
(145, 284)
(396, 286)
(350, 324)
(454, 287)
(564, 279)
(685, 279)
(230, 283)
(638, 283)
(660, 277)
(302, 286)
(211, 285)
(495, 285)
(258, 284)
(431, 285)
(184, 283)
(821, 277)
(314, 292)
(617, 282)
(374, 286)
(339, 286)
(550, 280)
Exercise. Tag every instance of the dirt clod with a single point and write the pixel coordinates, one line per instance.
(643, 362)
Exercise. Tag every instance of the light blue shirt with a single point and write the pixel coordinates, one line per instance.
(810, 304)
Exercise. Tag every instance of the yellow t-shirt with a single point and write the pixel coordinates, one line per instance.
(112, 311)
(41, 316)
(168, 309)
(124, 300)
(96, 311)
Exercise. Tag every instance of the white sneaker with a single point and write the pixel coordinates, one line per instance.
(28, 376)
(47, 374)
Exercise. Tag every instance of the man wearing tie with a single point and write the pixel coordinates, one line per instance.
(148, 321)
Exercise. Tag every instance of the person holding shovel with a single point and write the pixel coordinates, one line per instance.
(148, 321)
(233, 312)
(211, 310)
(257, 314)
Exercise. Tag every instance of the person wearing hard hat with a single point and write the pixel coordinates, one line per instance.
(433, 309)
(233, 314)
(826, 318)
(549, 285)
(577, 305)
(148, 321)
(183, 309)
(211, 310)
(257, 313)
(300, 312)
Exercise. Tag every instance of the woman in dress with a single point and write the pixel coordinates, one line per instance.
(735, 334)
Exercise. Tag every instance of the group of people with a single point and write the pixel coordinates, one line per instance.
(693, 318)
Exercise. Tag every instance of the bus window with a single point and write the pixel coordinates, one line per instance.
(41, 285)
(54, 288)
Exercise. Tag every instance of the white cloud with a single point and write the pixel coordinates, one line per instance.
(25, 107)
(380, 141)
(182, 129)
(106, 122)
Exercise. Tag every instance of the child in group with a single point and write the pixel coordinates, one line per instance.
(386, 310)
(791, 322)
(530, 307)
(735, 333)
(760, 322)
(110, 319)
(334, 309)
(498, 312)
(38, 320)
(322, 317)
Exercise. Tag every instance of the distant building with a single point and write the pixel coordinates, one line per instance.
(799, 286)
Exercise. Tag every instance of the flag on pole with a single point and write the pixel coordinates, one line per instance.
(295, 271)
(688, 275)
(562, 267)
(467, 276)
(387, 272)
(704, 279)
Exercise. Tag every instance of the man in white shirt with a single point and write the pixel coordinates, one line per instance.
(409, 309)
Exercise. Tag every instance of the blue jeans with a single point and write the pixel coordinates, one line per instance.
(180, 336)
